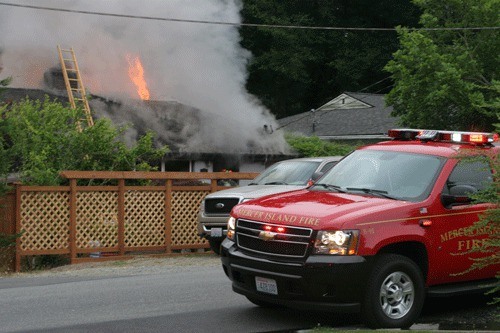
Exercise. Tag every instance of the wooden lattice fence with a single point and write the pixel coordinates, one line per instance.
(115, 221)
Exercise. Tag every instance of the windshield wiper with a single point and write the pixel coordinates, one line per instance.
(380, 193)
(276, 183)
(331, 187)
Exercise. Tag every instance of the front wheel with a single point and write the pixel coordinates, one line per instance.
(395, 293)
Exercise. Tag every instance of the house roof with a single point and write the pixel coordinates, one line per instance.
(348, 116)
(187, 131)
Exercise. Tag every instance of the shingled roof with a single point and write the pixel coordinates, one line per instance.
(346, 117)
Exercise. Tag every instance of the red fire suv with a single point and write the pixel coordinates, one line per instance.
(391, 224)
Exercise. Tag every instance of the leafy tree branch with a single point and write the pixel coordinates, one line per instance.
(40, 139)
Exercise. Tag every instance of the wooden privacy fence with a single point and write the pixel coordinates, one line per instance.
(87, 222)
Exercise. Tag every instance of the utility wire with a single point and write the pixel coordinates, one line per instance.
(373, 84)
(237, 24)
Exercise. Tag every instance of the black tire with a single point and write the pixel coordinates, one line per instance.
(215, 245)
(395, 293)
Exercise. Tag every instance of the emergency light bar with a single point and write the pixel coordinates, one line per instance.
(477, 138)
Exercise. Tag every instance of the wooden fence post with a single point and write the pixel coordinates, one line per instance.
(213, 185)
(121, 216)
(72, 219)
(17, 265)
(168, 215)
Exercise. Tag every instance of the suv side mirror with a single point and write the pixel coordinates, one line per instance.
(459, 195)
(315, 176)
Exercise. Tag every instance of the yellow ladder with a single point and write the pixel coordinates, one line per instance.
(74, 84)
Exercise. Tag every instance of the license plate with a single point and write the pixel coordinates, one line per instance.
(216, 232)
(268, 286)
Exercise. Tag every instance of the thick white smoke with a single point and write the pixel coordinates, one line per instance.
(200, 65)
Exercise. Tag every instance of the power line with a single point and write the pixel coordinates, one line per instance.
(238, 24)
(373, 84)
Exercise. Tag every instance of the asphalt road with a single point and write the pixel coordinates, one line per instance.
(160, 297)
(172, 295)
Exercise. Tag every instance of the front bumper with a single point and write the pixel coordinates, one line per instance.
(320, 283)
(207, 223)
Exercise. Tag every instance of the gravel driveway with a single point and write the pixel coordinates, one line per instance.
(135, 266)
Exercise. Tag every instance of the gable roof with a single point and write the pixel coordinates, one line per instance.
(348, 116)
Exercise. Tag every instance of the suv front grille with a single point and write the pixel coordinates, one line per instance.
(293, 242)
(220, 206)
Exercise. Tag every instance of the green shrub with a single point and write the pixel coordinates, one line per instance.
(315, 147)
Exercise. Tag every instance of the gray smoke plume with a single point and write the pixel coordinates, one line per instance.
(198, 65)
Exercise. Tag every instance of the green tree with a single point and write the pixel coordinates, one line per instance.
(448, 79)
(491, 219)
(294, 70)
(315, 147)
(41, 139)
(4, 158)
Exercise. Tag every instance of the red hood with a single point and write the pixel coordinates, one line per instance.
(319, 210)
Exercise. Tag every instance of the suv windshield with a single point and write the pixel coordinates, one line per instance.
(287, 173)
(394, 175)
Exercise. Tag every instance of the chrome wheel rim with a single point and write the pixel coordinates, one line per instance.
(397, 295)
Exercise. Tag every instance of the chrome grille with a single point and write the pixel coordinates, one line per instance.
(292, 242)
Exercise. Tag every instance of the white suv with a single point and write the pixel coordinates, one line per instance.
(288, 175)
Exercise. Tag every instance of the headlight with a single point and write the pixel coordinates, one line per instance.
(202, 206)
(340, 242)
(231, 225)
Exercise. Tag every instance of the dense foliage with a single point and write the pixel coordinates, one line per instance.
(491, 219)
(315, 147)
(449, 79)
(295, 70)
(40, 139)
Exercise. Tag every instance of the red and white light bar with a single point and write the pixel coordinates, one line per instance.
(478, 138)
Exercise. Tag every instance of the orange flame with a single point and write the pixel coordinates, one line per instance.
(136, 74)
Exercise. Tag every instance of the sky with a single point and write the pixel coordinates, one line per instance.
(199, 65)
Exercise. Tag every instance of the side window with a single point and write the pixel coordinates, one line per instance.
(327, 167)
(469, 177)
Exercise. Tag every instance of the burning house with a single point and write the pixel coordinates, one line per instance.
(191, 134)
(185, 81)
